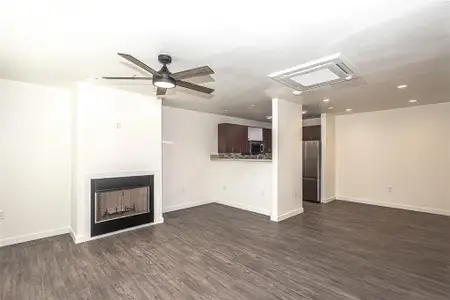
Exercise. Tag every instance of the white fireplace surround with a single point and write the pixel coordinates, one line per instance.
(114, 134)
(82, 232)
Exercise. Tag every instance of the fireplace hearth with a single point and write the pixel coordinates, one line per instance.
(120, 203)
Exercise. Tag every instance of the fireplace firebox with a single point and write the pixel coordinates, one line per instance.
(120, 203)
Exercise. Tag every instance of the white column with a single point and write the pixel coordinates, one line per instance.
(328, 172)
(286, 159)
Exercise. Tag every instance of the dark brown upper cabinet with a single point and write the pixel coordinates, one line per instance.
(311, 133)
(267, 138)
(233, 138)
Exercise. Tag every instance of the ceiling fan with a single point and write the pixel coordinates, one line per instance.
(164, 79)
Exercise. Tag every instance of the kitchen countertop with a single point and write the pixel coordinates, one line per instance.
(242, 157)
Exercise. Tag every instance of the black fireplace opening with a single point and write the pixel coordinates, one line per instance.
(120, 203)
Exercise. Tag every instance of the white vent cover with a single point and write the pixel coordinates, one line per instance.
(325, 71)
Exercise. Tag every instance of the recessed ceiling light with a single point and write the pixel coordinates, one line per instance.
(296, 93)
(304, 112)
(349, 77)
(269, 117)
(412, 101)
(348, 110)
(326, 100)
(226, 110)
(402, 86)
(331, 107)
(253, 105)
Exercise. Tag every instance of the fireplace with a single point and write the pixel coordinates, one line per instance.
(120, 203)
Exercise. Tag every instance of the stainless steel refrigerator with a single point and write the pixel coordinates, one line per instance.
(311, 171)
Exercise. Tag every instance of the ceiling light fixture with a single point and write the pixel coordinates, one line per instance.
(402, 86)
(326, 100)
(304, 112)
(348, 77)
(269, 117)
(253, 105)
(348, 110)
(331, 107)
(164, 82)
(412, 101)
(296, 93)
(226, 110)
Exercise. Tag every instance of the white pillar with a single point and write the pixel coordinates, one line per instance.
(328, 172)
(286, 159)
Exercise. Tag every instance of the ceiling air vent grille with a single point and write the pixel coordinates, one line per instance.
(315, 74)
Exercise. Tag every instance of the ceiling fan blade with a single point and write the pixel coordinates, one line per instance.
(138, 63)
(194, 87)
(196, 72)
(160, 91)
(126, 78)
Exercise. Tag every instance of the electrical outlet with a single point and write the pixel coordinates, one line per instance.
(2, 215)
(389, 188)
(118, 125)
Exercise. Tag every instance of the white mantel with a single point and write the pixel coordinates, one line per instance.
(115, 134)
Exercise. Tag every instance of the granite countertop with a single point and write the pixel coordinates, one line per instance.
(237, 156)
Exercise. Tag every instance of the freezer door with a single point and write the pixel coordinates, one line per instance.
(311, 159)
(311, 189)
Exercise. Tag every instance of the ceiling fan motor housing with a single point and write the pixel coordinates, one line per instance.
(164, 59)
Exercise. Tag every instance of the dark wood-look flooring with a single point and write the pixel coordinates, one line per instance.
(335, 251)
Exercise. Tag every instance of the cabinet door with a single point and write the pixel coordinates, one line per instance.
(311, 133)
(267, 138)
(222, 146)
(238, 139)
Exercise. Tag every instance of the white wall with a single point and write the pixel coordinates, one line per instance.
(287, 159)
(408, 149)
(118, 134)
(191, 178)
(328, 160)
(312, 122)
(35, 161)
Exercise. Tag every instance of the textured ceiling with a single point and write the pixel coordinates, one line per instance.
(389, 43)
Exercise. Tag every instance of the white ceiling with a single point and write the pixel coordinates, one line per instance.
(390, 42)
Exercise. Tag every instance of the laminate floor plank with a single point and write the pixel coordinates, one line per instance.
(336, 251)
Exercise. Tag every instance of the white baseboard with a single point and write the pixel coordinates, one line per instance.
(245, 207)
(33, 236)
(82, 239)
(397, 205)
(287, 215)
(328, 200)
(186, 205)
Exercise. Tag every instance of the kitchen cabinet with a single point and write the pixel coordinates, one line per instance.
(267, 138)
(312, 133)
(233, 138)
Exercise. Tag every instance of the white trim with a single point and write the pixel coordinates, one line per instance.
(186, 205)
(245, 207)
(287, 215)
(82, 239)
(328, 200)
(397, 205)
(32, 236)
(73, 235)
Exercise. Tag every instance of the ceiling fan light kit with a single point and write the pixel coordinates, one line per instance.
(164, 79)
